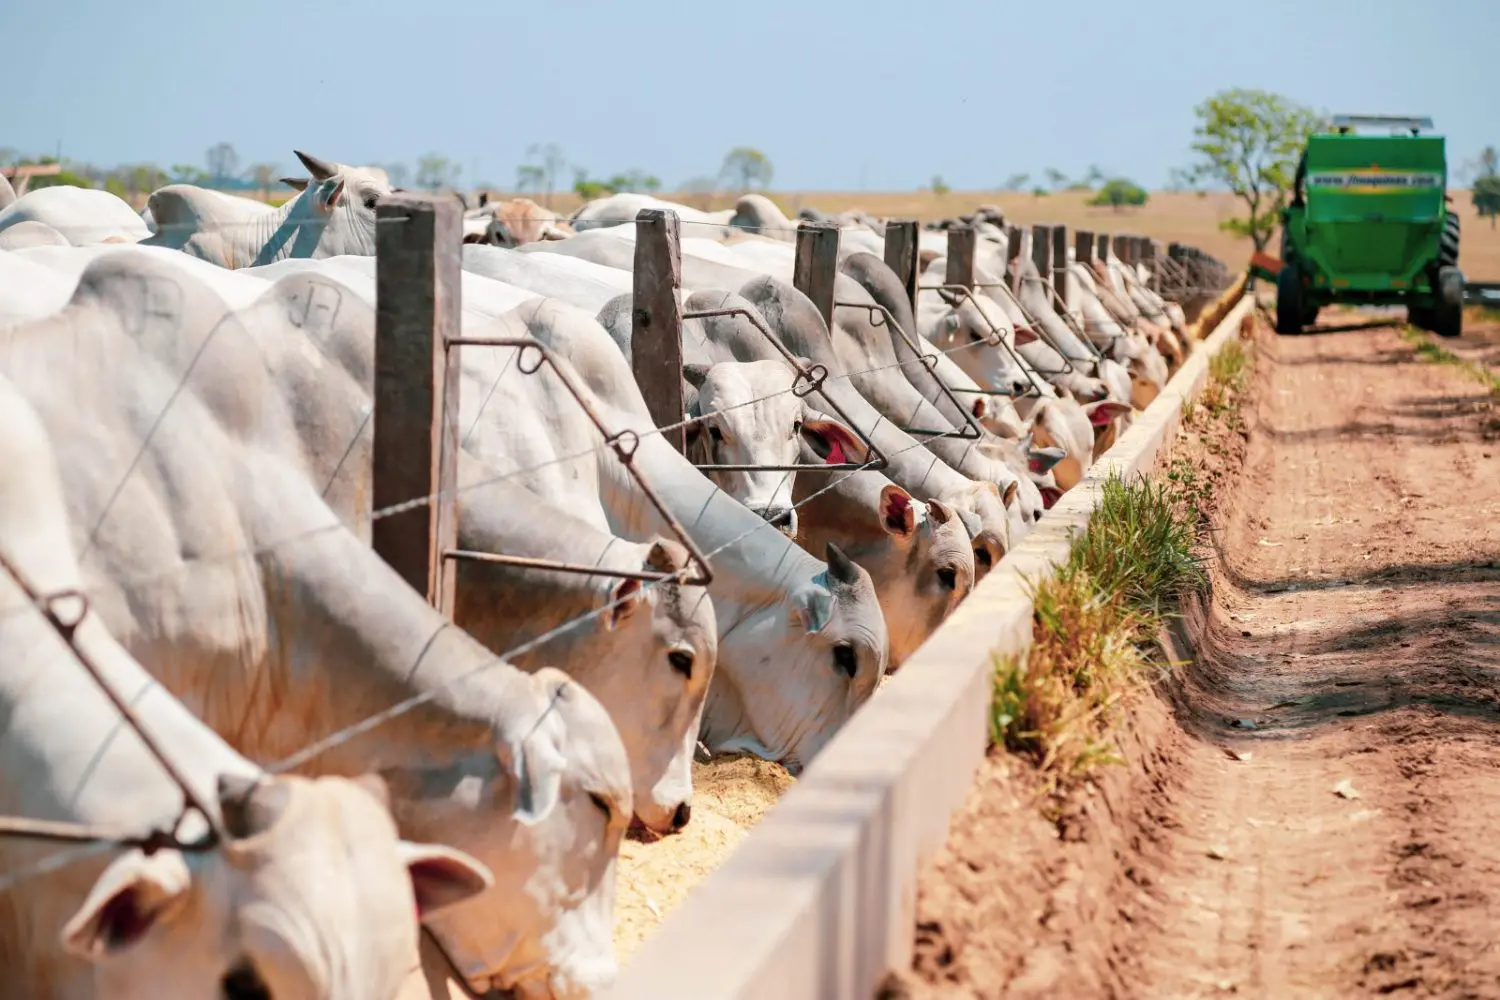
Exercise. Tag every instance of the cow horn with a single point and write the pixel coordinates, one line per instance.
(250, 805)
(840, 566)
(321, 170)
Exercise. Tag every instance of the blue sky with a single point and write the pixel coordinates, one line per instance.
(840, 94)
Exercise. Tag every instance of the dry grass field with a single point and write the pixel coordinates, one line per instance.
(1184, 218)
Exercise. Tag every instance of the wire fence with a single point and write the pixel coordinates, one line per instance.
(349, 732)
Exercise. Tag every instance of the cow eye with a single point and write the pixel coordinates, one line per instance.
(243, 983)
(682, 662)
(845, 660)
(948, 578)
(370, 200)
(796, 428)
(602, 803)
(715, 433)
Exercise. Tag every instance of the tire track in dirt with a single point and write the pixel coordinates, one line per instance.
(1356, 625)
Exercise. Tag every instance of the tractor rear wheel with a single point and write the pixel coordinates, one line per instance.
(1290, 309)
(1447, 315)
(1448, 245)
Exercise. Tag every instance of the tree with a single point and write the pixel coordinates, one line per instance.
(547, 164)
(1016, 182)
(586, 189)
(746, 168)
(530, 177)
(1055, 178)
(397, 173)
(1094, 177)
(634, 180)
(1119, 192)
(435, 172)
(1486, 193)
(939, 186)
(186, 173)
(69, 176)
(264, 175)
(701, 191)
(223, 163)
(1250, 141)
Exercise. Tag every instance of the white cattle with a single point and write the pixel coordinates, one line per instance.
(619, 209)
(84, 216)
(801, 643)
(755, 213)
(185, 486)
(31, 234)
(791, 318)
(332, 215)
(633, 663)
(747, 415)
(311, 895)
(917, 552)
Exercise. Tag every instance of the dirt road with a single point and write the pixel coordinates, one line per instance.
(1316, 813)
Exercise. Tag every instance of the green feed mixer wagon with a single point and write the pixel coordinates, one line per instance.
(1369, 224)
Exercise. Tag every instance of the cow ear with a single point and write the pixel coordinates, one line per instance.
(896, 514)
(695, 374)
(299, 183)
(940, 512)
(1040, 461)
(832, 440)
(1025, 335)
(1105, 410)
(981, 407)
(442, 876)
(134, 894)
(334, 197)
(813, 610)
(1008, 497)
(624, 600)
(537, 772)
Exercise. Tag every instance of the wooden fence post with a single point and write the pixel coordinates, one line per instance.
(901, 256)
(1101, 248)
(1041, 250)
(1060, 262)
(418, 288)
(656, 319)
(960, 256)
(1148, 257)
(1013, 255)
(816, 265)
(1083, 247)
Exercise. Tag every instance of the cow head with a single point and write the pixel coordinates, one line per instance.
(312, 894)
(748, 416)
(823, 646)
(663, 647)
(546, 807)
(334, 213)
(923, 565)
(966, 329)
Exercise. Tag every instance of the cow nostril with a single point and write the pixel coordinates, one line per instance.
(948, 578)
(681, 816)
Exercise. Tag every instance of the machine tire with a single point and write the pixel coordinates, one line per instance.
(1448, 245)
(1289, 306)
(1448, 307)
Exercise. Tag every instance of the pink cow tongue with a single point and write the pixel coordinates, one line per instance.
(836, 455)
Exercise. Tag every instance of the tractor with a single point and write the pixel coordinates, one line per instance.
(1369, 223)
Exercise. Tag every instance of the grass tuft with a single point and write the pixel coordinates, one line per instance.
(1227, 371)
(1121, 581)
(1429, 350)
